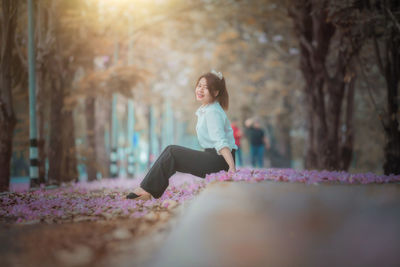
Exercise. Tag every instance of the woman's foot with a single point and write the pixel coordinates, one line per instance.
(139, 193)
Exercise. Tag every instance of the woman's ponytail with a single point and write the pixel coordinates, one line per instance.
(223, 97)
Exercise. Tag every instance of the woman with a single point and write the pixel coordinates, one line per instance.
(214, 133)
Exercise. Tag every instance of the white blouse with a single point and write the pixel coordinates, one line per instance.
(214, 128)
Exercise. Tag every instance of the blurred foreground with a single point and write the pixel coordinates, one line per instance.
(285, 224)
(255, 217)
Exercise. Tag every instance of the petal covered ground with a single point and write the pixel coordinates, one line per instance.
(105, 199)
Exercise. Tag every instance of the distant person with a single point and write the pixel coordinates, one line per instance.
(237, 134)
(214, 134)
(257, 141)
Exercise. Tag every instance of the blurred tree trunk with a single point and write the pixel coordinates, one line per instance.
(62, 149)
(103, 111)
(388, 59)
(91, 159)
(392, 147)
(381, 23)
(7, 117)
(346, 149)
(69, 171)
(56, 130)
(40, 108)
(44, 41)
(324, 91)
(283, 127)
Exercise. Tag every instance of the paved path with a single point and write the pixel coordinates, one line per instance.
(286, 224)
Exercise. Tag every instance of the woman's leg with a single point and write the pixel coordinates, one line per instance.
(178, 158)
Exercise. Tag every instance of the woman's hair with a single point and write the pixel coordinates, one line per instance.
(214, 84)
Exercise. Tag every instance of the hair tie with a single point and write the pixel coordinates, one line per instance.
(219, 74)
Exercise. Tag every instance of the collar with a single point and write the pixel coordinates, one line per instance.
(202, 109)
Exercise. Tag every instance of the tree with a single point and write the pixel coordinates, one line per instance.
(326, 63)
(386, 38)
(379, 23)
(8, 21)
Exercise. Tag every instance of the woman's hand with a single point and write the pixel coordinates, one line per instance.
(226, 153)
(231, 172)
(232, 169)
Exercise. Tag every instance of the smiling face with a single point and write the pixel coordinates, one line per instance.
(203, 95)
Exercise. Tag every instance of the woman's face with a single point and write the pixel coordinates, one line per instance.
(202, 93)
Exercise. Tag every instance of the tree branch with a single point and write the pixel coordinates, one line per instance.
(378, 56)
(3, 109)
(306, 44)
(20, 55)
(396, 23)
(369, 90)
(174, 13)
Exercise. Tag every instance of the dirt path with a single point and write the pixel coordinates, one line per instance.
(87, 243)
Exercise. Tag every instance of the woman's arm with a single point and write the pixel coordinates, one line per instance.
(215, 127)
(226, 153)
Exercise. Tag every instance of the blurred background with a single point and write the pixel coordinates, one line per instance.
(114, 82)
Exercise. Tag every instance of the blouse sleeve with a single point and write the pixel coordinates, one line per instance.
(215, 127)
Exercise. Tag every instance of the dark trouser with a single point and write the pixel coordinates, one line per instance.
(178, 158)
(257, 155)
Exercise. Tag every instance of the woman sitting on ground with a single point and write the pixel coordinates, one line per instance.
(214, 133)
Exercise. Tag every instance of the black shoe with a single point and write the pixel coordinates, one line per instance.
(132, 196)
(138, 197)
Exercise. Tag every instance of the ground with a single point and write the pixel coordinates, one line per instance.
(250, 217)
(83, 243)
